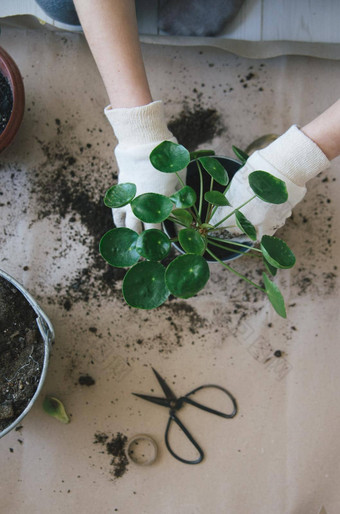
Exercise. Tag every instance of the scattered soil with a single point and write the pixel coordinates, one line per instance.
(21, 353)
(86, 380)
(116, 448)
(6, 102)
(196, 125)
(69, 192)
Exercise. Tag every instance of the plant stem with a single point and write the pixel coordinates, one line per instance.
(235, 272)
(210, 206)
(201, 189)
(231, 242)
(232, 249)
(180, 179)
(233, 212)
(224, 248)
(175, 220)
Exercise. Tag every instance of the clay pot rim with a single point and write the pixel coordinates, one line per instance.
(11, 71)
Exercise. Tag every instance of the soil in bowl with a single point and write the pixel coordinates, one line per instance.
(6, 102)
(21, 353)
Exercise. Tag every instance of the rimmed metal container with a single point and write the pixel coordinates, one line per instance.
(225, 255)
(47, 333)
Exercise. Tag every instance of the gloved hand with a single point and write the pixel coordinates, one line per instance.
(293, 158)
(139, 130)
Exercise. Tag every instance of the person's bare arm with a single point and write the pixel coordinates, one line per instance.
(110, 27)
(325, 131)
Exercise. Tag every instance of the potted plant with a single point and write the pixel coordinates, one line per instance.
(26, 335)
(12, 99)
(149, 280)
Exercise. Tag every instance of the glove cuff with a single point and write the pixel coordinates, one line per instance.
(139, 125)
(296, 156)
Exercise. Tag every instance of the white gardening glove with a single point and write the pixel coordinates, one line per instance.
(293, 158)
(139, 130)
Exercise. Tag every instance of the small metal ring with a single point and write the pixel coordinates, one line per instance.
(142, 459)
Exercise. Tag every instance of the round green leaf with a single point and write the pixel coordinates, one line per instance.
(169, 157)
(267, 187)
(119, 195)
(153, 244)
(191, 241)
(144, 285)
(200, 153)
(240, 154)
(184, 198)
(244, 224)
(216, 198)
(183, 216)
(277, 252)
(118, 247)
(151, 207)
(274, 295)
(187, 275)
(215, 170)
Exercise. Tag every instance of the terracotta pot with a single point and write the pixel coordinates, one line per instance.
(10, 70)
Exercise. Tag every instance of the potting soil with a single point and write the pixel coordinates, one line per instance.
(6, 102)
(21, 353)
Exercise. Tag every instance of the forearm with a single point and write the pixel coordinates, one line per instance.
(110, 27)
(325, 131)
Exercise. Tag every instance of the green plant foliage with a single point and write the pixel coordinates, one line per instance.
(183, 216)
(153, 244)
(244, 224)
(186, 275)
(144, 285)
(191, 241)
(240, 154)
(184, 198)
(151, 207)
(118, 247)
(148, 283)
(215, 170)
(54, 407)
(201, 153)
(169, 157)
(277, 252)
(267, 187)
(275, 296)
(120, 195)
(216, 198)
(269, 267)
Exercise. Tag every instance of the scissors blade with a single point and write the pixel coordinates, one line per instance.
(154, 399)
(166, 389)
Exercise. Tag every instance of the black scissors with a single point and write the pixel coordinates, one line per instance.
(174, 404)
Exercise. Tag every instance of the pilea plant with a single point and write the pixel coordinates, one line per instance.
(149, 280)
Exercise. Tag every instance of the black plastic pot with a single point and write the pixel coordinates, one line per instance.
(193, 180)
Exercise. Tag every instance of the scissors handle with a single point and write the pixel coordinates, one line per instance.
(208, 409)
(174, 418)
